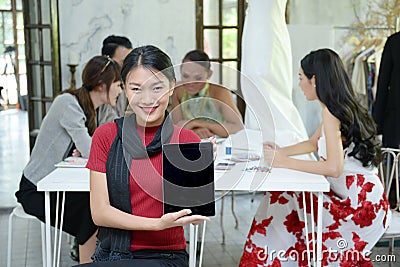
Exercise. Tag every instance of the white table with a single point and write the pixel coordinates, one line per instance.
(77, 179)
(60, 180)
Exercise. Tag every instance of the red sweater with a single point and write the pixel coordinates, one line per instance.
(145, 184)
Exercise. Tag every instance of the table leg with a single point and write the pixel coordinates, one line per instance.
(203, 233)
(60, 231)
(306, 227)
(192, 252)
(319, 230)
(196, 234)
(55, 230)
(47, 232)
(222, 218)
(312, 227)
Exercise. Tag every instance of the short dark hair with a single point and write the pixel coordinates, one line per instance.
(112, 42)
(199, 57)
(150, 57)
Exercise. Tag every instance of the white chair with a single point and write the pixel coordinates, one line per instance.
(19, 212)
(389, 173)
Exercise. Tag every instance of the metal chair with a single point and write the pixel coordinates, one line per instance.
(19, 212)
(389, 173)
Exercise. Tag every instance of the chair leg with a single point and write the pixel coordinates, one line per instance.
(9, 248)
(253, 197)
(42, 230)
(222, 218)
(233, 210)
(391, 246)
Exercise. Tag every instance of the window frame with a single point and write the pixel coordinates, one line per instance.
(200, 28)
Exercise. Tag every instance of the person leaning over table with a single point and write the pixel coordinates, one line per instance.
(126, 170)
(204, 107)
(66, 130)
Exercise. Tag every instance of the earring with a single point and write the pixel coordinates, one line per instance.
(315, 86)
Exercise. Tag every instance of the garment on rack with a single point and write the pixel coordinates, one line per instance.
(362, 66)
(359, 77)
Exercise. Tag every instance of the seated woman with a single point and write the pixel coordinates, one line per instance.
(207, 109)
(126, 170)
(66, 130)
(355, 212)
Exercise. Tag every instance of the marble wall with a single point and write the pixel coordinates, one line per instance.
(168, 24)
(322, 12)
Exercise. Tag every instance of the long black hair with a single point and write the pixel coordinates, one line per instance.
(150, 57)
(335, 91)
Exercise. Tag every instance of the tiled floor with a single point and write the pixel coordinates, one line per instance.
(14, 151)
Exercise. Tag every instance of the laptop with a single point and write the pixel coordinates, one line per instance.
(188, 178)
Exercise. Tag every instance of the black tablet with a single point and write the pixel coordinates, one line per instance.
(188, 172)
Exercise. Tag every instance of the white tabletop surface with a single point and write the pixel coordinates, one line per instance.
(236, 179)
(66, 179)
(77, 179)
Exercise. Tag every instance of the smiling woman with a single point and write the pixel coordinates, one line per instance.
(126, 177)
(148, 92)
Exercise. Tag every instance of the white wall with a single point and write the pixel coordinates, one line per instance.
(323, 12)
(305, 38)
(168, 24)
(312, 26)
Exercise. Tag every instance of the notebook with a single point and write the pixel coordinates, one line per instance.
(188, 172)
(72, 162)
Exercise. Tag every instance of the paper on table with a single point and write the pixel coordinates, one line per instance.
(72, 162)
(243, 157)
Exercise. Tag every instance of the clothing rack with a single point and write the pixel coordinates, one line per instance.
(396, 27)
(364, 28)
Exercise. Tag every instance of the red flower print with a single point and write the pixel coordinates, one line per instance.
(349, 180)
(300, 249)
(330, 235)
(358, 244)
(293, 223)
(366, 188)
(334, 226)
(276, 197)
(360, 179)
(260, 228)
(275, 263)
(340, 210)
(254, 257)
(364, 215)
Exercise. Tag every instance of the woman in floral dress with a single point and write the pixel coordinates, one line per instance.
(355, 211)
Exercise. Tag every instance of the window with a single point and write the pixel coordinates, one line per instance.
(12, 52)
(42, 59)
(219, 27)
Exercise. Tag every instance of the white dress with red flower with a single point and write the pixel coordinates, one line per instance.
(355, 216)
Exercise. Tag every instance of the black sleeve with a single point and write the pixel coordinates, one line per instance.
(384, 77)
